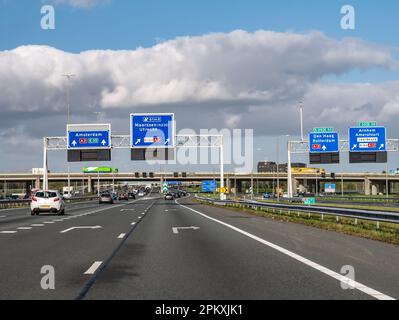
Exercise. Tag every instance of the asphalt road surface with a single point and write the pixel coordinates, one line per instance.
(152, 248)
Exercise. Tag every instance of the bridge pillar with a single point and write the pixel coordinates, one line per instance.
(367, 186)
(238, 186)
(89, 185)
(228, 184)
(294, 186)
(37, 182)
(374, 189)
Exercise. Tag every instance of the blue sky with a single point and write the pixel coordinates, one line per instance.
(123, 24)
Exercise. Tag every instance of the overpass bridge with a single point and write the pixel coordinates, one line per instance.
(367, 183)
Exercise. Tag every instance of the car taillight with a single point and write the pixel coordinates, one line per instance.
(56, 199)
(34, 199)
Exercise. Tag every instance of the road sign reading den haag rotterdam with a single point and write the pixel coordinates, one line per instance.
(152, 136)
(89, 142)
(323, 146)
(367, 144)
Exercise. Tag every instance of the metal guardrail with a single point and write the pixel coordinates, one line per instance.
(377, 216)
(20, 203)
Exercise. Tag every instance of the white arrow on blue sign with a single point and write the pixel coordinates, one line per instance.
(89, 136)
(155, 130)
(323, 142)
(367, 139)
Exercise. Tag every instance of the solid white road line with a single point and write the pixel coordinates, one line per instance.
(8, 232)
(356, 285)
(93, 267)
(121, 236)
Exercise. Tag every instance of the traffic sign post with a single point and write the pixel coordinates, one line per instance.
(367, 144)
(88, 136)
(367, 139)
(323, 146)
(152, 130)
(323, 142)
(89, 142)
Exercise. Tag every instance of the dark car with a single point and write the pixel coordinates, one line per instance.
(123, 196)
(106, 198)
(131, 195)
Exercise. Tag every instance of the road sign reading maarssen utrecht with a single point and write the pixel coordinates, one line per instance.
(367, 139)
(152, 130)
(89, 136)
(323, 142)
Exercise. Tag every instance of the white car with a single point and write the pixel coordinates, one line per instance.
(47, 201)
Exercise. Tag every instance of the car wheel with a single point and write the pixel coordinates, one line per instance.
(37, 213)
(32, 213)
(62, 213)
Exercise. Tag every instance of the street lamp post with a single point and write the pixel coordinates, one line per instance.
(68, 76)
(278, 164)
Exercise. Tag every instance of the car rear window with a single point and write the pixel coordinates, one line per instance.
(42, 194)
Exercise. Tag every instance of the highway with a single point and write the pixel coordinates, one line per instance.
(151, 248)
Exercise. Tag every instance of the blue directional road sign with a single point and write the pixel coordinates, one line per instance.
(89, 136)
(152, 130)
(209, 185)
(367, 139)
(323, 142)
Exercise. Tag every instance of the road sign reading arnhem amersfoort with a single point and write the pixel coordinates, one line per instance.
(89, 136)
(152, 130)
(323, 142)
(367, 139)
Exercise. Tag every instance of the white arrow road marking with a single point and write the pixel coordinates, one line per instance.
(176, 229)
(93, 267)
(88, 227)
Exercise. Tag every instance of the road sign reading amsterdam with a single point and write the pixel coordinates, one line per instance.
(152, 130)
(89, 136)
(323, 142)
(363, 139)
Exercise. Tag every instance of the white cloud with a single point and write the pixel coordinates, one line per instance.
(237, 79)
